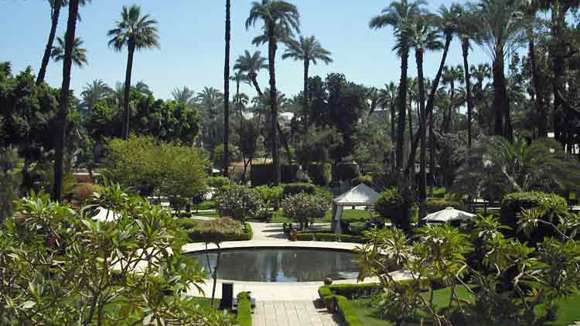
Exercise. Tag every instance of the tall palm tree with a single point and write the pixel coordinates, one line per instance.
(183, 95)
(79, 54)
(94, 92)
(63, 99)
(210, 99)
(308, 50)
(423, 37)
(280, 19)
(399, 15)
(389, 96)
(450, 76)
(226, 156)
(480, 73)
(136, 32)
(55, 7)
(500, 27)
(250, 64)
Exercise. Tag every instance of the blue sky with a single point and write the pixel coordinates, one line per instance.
(191, 38)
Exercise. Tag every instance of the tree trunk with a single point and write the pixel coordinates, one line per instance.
(500, 103)
(305, 112)
(127, 91)
(64, 92)
(51, 35)
(431, 99)
(215, 271)
(557, 52)
(422, 121)
(402, 103)
(469, 100)
(226, 158)
(393, 133)
(410, 123)
(273, 104)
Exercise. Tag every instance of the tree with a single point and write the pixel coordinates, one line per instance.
(94, 92)
(64, 99)
(55, 7)
(183, 95)
(280, 19)
(227, 91)
(251, 64)
(303, 207)
(399, 15)
(500, 29)
(135, 32)
(308, 50)
(423, 37)
(79, 54)
(450, 76)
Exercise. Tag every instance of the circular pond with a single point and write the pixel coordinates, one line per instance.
(281, 264)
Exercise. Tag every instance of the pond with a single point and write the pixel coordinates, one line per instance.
(282, 264)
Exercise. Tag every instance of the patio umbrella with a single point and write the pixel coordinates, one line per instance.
(449, 214)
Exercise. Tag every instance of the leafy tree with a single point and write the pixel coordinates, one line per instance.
(95, 92)
(280, 19)
(251, 64)
(79, 54)
(135, 32)
(183, 95)
(10, 180)
(304, 208)
(239, 202)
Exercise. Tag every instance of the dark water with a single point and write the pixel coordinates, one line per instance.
(282, 264)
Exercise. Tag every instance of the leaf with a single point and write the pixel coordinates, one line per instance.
(27, 304)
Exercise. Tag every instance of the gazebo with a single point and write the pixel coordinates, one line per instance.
(361, 195)
(449, 215)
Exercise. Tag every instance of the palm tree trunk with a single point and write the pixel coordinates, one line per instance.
(226, 162)
(500, 96)
(127, 90)
(402, 103)
(273, 104)
(431, 152)
(431, 99)
(51, 35)
(465, 53)
(410, 122)
(64, 93)
(557, 52)
(305, 94)
(422, 129)
(393, 133)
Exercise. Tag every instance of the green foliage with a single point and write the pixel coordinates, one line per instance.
(393, 206)
(439, 192)
(291, 189)
(10, 180)
(332, 237)
(261, 174)
(82, 192)
(157, 168)
(320, 173)
(345, 171)
(218, 182)
(437, 204)
(272, 196)
(348, 314)
(244, 309)
(60, 267)
(239, 202)
(353, 291)
(366, 179)
(216, 230)
(218, 155)
(304, 207)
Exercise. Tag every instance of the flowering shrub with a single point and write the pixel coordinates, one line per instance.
(239, 202)
(305, 207)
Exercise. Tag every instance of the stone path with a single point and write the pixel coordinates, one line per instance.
(291, 313)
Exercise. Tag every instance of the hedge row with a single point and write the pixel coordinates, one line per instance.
(244, 309)
(197, 232)
(330, 237)
(353, 291)
(340, 303)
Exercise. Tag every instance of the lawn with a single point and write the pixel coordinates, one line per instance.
(351, 215)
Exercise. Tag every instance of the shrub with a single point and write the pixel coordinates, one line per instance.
(320, 173)
(244, 309)
(353, 291)
(305, 207)
(271, 195)
(439, 192)
(348, 314)
(345, 171)
(296, 188)
(321, 236)
(239, 202)
(513, 204)
(437, 204)
(216, 231)
(366, 179)
(392, 205)
(261, 174)
(218, 182)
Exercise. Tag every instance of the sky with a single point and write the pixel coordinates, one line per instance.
(191, 36)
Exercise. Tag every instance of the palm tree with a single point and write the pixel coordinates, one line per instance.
(94, 92)
(480, 73)
(389, 95)
(250, 65)
(400, 15)
(499, 31)
(183, 95)
(450, 76)
(308, 50)
(79, 54)
(280, 19)
(423, 37)
(64, 94)
(210, 98)
(136, 32)
(226, 156)
(55, 6)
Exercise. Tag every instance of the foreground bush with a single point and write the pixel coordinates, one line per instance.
(303, 207)
(244, 309)
(60, 267)
(239, 202)
(393, 206)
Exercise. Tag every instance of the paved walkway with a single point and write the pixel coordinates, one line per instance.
(291, 313)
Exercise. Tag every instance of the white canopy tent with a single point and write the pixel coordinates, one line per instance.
(361, 195)
(448, 215)
(105, 215)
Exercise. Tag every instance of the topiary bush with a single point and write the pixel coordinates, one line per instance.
(296, 188)
(239, 202)
(320, 173)
(393, 206)
(345, 171)
(216, 230)
(513, 204)
(244, 309)
(304, 207)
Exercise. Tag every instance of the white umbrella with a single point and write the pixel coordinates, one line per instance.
(449, 214)
(105, 215)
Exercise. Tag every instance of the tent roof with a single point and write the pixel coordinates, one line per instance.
(362, 195)
(105, 215)
(449, 214)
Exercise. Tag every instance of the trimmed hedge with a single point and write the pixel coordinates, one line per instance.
(393, 206)
(320, 236)
(353, 291)
(244, 309)
(345, 171)
(340, 303)
(348, 314)
(296, 188)
(513, 204)
(201, 231)
(218, 182)
(320, 173)
(436, 204)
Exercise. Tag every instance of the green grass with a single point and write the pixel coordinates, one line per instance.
(350, 215)
(362, 307)
(568, 310)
